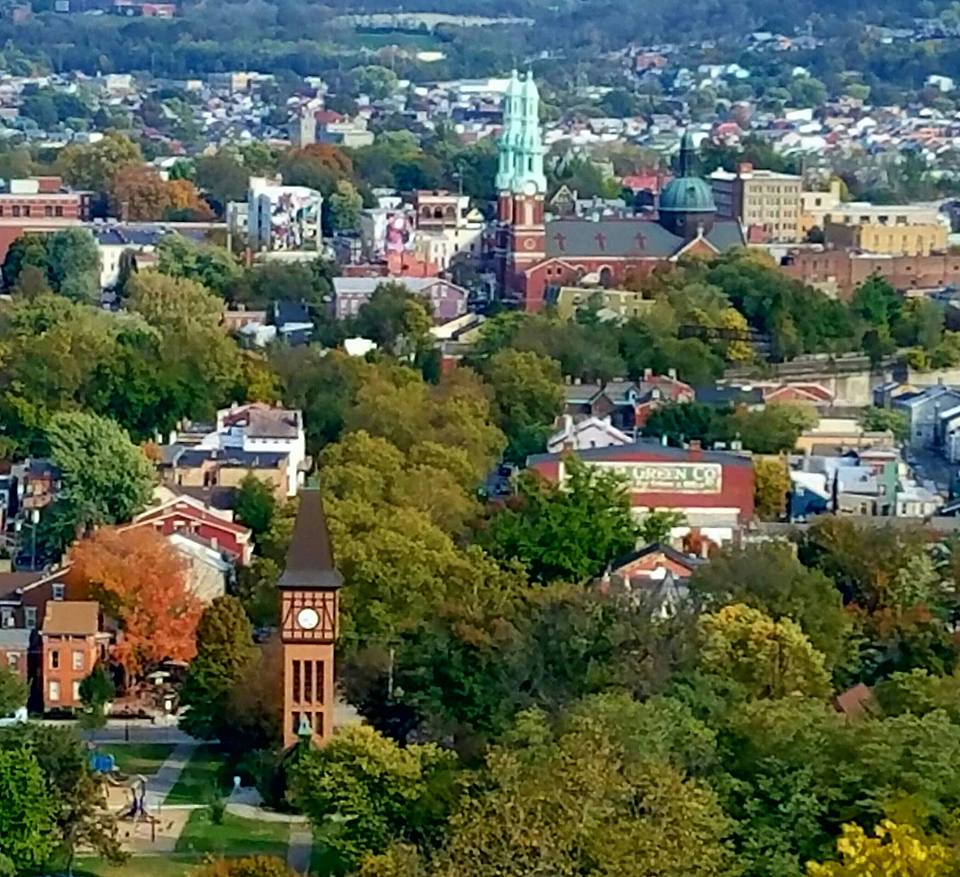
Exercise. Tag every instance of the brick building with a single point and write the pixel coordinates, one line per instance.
(841, 271)
(713, 490)
(39, 204)
(72, 645)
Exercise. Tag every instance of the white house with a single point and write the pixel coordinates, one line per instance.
(594, 432)
(260, 428)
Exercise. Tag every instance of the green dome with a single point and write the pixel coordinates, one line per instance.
(687, 195)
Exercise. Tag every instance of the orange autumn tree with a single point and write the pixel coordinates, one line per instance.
(142, 582)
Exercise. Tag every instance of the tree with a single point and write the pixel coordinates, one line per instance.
(139, 193)
(96, 691)
(223, 177)
(80, 814)
(771, 484)
(106, 478)
(173, 303)
(27, 814)
(770, 659)
(94, 166)
(139, 579)
(13, 692)
(544, 795)
(206, 264)
(528, 390)
(31, 283)
(255, 505)
(883, 419)
(363, 792)
(74, 264)
(345, 206)
(225, 654)
(248, 866)
(657, 525)
(569, 532)
(29, 249)
(395, 318)
(768, 577)
(374, 81)
(186, 203)
(895, 849)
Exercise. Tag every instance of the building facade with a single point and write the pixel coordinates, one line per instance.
(766, 203)
(72, 646)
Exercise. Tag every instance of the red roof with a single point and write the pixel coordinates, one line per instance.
(184, 509)
(644, 182)
(326, 117)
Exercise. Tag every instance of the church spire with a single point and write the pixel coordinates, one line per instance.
(686, 164)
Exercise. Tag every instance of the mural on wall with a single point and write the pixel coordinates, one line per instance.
(399, 232)
(295, 220)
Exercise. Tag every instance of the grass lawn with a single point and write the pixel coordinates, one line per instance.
(202, 776)
(131, 758)
(155, 866)
(233, 837)
(323, 863)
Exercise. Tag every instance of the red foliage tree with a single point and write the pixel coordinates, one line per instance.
(141, 581)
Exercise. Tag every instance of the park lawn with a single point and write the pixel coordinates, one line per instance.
(233, 837)
(166, 865)
(137, 758)
(201, 779)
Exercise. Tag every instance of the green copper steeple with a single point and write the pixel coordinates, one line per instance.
(521, 146)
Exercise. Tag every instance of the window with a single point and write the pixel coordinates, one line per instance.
(26, 210)
(58, 211)
(76, 690)
(308, 681)
(59, 590)
(6, 617)
(79, 661)
(13, 660)
(53, 691)
(30, 617)
(320, 688)
(16, 209)
(48, 210)
(319, 725)
(296, 681)
(54, 660)
(295, 721)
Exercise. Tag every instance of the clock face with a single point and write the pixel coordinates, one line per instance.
(308, 618)
(529, 243)
(530, 187)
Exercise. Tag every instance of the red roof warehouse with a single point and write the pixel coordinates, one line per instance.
(711, 488)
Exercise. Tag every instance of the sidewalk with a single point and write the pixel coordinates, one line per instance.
(166, 777)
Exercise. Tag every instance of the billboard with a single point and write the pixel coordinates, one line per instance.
(652, 477)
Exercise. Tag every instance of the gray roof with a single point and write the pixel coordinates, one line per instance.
(367, 285)
(192, 457)
(14, 638)
(626, 238)
(309, 563)
(273, 423)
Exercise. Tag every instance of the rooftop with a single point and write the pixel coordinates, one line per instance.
(71, 618)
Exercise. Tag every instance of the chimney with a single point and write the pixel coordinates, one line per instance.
(695, 449)
(672, 373)
(745, 167)
(214, 543)
(647, 374)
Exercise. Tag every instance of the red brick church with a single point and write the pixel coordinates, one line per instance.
(533, 253)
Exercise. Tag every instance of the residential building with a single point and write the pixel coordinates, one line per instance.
(889, 239)
(72, 646)
(655, 575)
(38, 204)
(226, 468)
(766, 203)
(931, 412)
(815, 205)
(610, 304)
(446, 300)
(24, 597)
(594, 432)
(626, 404)
(14, 650)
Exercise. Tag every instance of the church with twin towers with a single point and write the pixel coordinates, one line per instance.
(534, 253)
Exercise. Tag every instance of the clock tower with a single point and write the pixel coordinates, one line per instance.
(522, 185)
(309, 595)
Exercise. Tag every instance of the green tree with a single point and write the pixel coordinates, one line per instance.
(768, 577)
(374, 81)
(363, 792)
(528, 390)
(770, 659)
(255, 505)
(565, 532)
(771, 486)
(206, 264)
(225, 655)
(106, 477)
(94, 166)
(544, 796)
(13, 692)
(172, 302)
(882, 419)
(395, 318)
(656, 526)
(345, 206)
(74, 264)
(223, 176)
(29, 249)
(27, 815)
(96, 691)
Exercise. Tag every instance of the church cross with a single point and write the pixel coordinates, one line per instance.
(561, 241)
(641, 241)
(601, 241)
